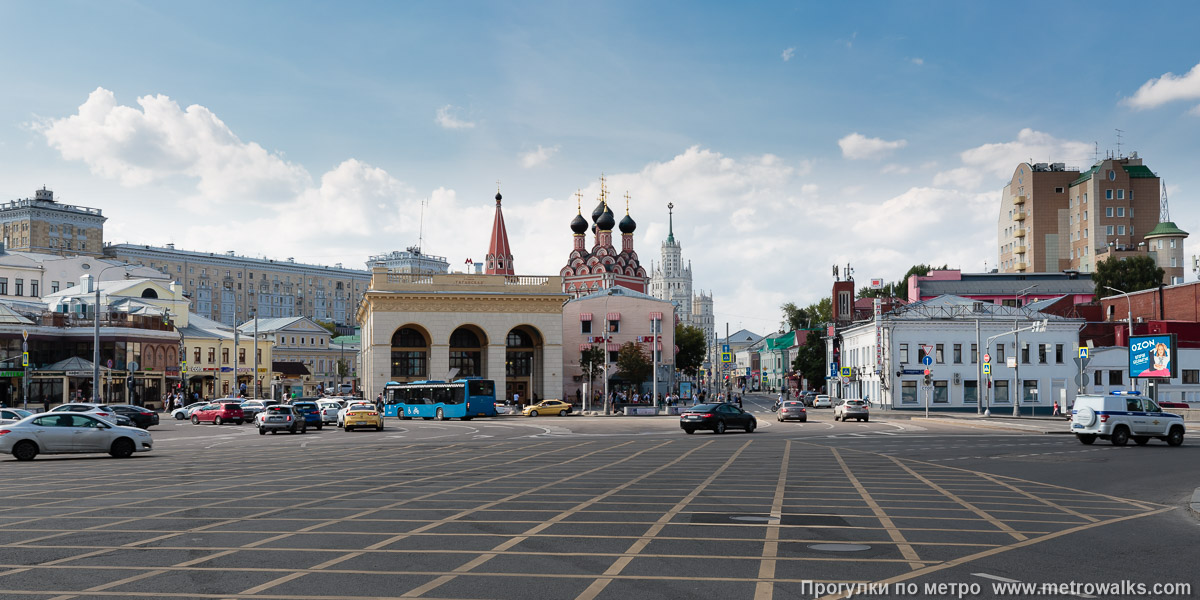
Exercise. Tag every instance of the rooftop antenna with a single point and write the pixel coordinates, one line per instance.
(1164, 213)
(1096, 152)
(421, 228)
(1119, 132)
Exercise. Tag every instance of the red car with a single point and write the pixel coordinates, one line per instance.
(218, 412)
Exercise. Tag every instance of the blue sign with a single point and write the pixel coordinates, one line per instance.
(833, 369)
(725, 348)
(1152, 356)
(911, 372)
(928, 360)
(1083, 352)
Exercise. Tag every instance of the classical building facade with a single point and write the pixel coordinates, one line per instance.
(299, 340)
(40, 224)
(232, 289)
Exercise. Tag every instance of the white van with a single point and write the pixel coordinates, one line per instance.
(1122, 416)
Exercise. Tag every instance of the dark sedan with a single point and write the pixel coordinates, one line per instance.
(142, 417)
(716, 417)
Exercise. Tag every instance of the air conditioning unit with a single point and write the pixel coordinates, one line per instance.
(957, 379)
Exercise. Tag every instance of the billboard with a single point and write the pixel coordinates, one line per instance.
(1152, 356)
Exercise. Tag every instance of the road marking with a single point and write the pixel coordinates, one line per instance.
(1001, 525)
(1007, 580)
(906, 550)
(765, 590)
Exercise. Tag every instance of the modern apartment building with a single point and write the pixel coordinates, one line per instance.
(1031, 229)
(40, 224)
(232, 289)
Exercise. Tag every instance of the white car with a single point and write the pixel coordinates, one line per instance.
(71, 433)
(96, 410)
(852, 408)
(1121, 417)
(329, 410)
(341, 415)
(12, 415)
(186, 412)
(821, 401)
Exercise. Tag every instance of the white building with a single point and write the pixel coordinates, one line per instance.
(33, 275)
(411, 260)
(954, 329)
(671, 280)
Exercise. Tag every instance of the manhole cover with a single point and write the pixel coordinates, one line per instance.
(840, 547)
(754, 518)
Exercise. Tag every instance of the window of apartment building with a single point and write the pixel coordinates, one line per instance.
(1058, 354)
(224, 356)
(1120, 194)
(940, 356)
(908, 392)
(1120, 211)
(203, 272)
(1120, 230)
(1030, 391)
(1131, 230)
(1085, 235)
(212, 355)
(33, 288)
(941, 392)
(20, 287)
(1025, 353)
(1097, 377)
(1000, 392)
(1172, 243)
(242, 355)
(1172, 264)
(1058, 190)
(1085, 199)
(1043, 352)
(1190, 376)
(612, 356)
(1108, 229)
(1000, 354)
(585, 327)
(1108, 212)
(3, 286)
(970, 391)
(1115, 377)
(1108, 195)
(197, 356)
(974, 353)
(614, 326)
(1085, 215)
(903, 353)
(258, 354)
(958, 354)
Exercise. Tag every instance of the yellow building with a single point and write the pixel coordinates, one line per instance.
(212, 354)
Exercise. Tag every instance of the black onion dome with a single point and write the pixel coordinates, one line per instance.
(579, 224)
(599, 210)
(606, 220)
(498, 197)
(627, 224)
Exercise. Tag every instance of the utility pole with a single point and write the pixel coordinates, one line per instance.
(727, 384)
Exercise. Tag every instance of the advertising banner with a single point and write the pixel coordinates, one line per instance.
(1152, 356)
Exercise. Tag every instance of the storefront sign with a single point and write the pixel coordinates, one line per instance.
(11, 373)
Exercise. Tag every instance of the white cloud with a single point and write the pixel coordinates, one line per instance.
(537, 157)
(1168, 88)
(449, 121)
(895, 169)
(917, 61)
(993, 163)
(857, 146)
(788, 54)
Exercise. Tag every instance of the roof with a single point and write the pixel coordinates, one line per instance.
(1139, 172)
(1043, 304)
(742, 336)
(203, 327)
(1008, 284)
(498, 248)
(781, 341)
(72, 364)
(957, 307)
(269, 325)
(8, 316)
(617, 291)
(289, 368)
(1166, 228)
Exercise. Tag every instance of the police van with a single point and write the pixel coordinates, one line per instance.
(1122, 416)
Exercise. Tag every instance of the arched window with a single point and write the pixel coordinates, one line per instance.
(465, 354)
(518, 339)
(149, 293)
(410, 353)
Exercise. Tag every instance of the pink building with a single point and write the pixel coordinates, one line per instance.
(622, 315)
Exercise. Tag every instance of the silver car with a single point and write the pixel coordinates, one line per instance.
(280, 417)
(96, 410)
(852, 408)
(12, 415)
(71, 433)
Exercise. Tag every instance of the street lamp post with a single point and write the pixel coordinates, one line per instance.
(257, 390)
(607, 295)
(1036, 327)
(96, 334)
(1128, 325)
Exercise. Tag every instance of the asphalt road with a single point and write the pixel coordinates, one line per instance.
(595, 507)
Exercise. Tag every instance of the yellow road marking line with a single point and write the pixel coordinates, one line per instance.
(765, 590)
(896, 534)
(967, 505)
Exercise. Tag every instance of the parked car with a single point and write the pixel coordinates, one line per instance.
(12, 415)
(852, 408)
(99, 410)
(141, 416)
(717, 417)
(792, 409)
(311, 413)
(341, 416)
(1120, 417)
(185, 412)
(821, 401)
(66, 432)
(547, 407)
(280, 417)
(225, 411)
(329, 410)
(361, 416)
(251, 408)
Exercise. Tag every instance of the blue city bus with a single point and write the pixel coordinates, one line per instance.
(460, 399)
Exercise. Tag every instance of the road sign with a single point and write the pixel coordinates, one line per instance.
(1079, 380)
(726, 357)
(845, 371)
(1011, 362)
(25, 334)
(987, 369)
(24, 359)
(1083, 352)
(133, 366)
(928, 360)
(725, 348)
(833, 369)
(928, 349)
(987, 358)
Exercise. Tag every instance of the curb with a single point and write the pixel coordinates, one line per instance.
(1195, 504)
(989, 425)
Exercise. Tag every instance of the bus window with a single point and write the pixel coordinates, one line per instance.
(481, 387)
(456, 395)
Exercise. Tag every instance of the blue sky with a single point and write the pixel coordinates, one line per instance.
(790, 136)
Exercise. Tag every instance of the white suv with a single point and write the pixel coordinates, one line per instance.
(1118, 418)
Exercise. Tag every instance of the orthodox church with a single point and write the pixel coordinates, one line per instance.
(603, 266)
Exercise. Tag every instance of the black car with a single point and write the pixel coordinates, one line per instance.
(142, 417)
(717, 417)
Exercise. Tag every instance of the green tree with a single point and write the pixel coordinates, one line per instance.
(1129, 275)
(821, 312)
(591, 361)
(899, 289)
(692, 348)
(330, 326)
(633, 365)
(343, 368)
(794, 317)
(810, 359)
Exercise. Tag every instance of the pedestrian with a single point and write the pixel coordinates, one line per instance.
(45, 403)
(1055, 408)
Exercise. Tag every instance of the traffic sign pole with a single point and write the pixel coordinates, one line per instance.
(25, 361)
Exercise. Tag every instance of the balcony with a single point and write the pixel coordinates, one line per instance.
(1021, 266)
(1020, 232)
(1018, 200)
(1020, 249)
(1019, 215)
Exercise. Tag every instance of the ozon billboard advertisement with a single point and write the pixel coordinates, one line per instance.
(1152, 356)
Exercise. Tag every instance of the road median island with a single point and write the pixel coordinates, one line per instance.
(981, 423)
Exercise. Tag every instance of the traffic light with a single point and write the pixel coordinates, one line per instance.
(928, 377)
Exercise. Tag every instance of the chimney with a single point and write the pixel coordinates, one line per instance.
(171, 246)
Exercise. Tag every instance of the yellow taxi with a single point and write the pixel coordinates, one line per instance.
(547, 407)
(362, 415)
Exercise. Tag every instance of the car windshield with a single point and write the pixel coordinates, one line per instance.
(855, 402)
(703, 408)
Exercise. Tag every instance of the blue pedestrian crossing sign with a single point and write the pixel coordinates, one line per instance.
(845, 371)
(987, 368)
(726, 357)
(1083, 352)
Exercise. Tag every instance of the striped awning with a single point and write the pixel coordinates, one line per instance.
(585, 316)
(614, 316)
(613, 347)
(655, 316)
